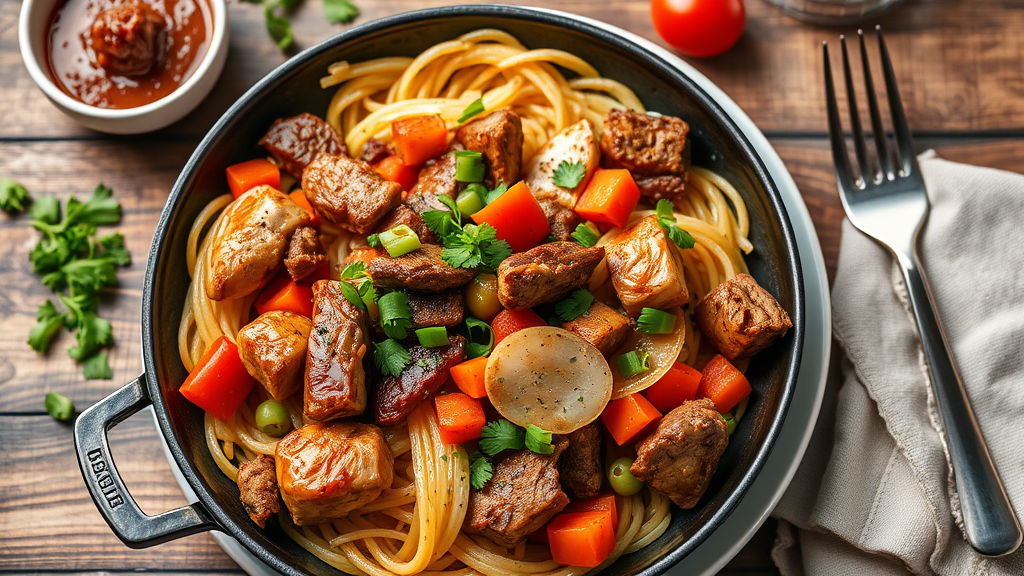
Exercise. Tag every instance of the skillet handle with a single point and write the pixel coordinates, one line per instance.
(116, 505)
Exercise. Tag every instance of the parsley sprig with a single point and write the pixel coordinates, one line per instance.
(356, 286)
(568, 175)
(13, 196)
(480, 470)
(585, 236)
(502, 435)
(275, 14)
(575, 305)
(677, 235)
(390, 357)
(465, 246)
(395, 315)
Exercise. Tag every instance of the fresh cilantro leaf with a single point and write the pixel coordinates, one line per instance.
(390, 357)
(479, 338)
(667, 220)
(48, 322)
(395, 314)
(538, 440)
(664, 209)
(279, 28)
(476, 107)
(340, 11)
(99, 209)
(113, 246)
(364, 290)
(501, 435)
(59, 406)
(585, 235)
(45, 210)
(569, 175)
(373, 240)
(480, 470)
(354, 270)
(451, 205)
(351, 293)
(89, 276)
(92, 333)
(493, 195)
(440, 222)
(97, 368)
(14, 197)
(575, 305)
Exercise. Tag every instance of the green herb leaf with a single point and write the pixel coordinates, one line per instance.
(480, 470)
(585, 236)
(475, 246)
(479, 338)
(340, 11)
(476, 107)
(440, 222)
(395, 314)
(97, 368)
(538, 440)
(501, 435)
(354, 270)
(493, 195)
(48, 323)
(667, 220)
(279, 28)
(14, 197)
(98, 210)
(569, 175)
(575, 305)
(59, 406)
(113, 247)
(373, 240)
(351, 293)
(390, 357)
(45, 210)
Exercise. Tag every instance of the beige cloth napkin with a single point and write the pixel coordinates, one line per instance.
(874, 494)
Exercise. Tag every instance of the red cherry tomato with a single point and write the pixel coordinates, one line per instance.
(699, 28)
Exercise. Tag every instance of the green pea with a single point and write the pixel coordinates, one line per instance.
(621, 479)
(273, 419)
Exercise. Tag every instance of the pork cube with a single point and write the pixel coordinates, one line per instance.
(436, 177)
(295, 142)
(655, 149)
(563, 221)
(740, 318)
(403, 214)
(335, 376)
(305, 253)
(646, 268)
(422, 270)
(499, 137)
(348, 193)
(545, 273)
(602, 326)
(257, 488)
(581, 465)
(273, 350)
(395, 397)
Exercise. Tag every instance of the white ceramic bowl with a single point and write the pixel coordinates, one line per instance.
(32, 33)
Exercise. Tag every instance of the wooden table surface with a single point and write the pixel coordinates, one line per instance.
(958, 63)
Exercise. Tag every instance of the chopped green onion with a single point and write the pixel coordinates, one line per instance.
(585, 235)
(469, 166)
(476, 107)
(479, 189)
(632, 363)
(59, 406)
(469, 202)
(730, 423)
(395, 314)
(654, 321)
(479, 338)
(432, 337)
(400, 240)
(538, 440)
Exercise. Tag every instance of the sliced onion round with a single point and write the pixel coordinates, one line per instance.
(548, 377)
(664, 350)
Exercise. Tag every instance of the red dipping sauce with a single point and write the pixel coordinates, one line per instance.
(126, 53)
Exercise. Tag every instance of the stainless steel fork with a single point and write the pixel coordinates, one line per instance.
(889, 204)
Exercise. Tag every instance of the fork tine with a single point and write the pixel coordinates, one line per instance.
(899, 120)
(876, 118)
(859, 145)
(840, 157)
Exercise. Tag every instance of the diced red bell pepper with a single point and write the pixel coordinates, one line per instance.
(419, 138)
(627, 418)
(219, 383)
(459, 417)
(287, 295)
(678, 385)
(723, 383)
(393, 169)
(517, 217)
(510, 321)
(611, 196)
(248, 175)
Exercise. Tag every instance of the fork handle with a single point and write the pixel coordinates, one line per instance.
(991, 527)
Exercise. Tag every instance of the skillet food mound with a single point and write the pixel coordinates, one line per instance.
(483, 316)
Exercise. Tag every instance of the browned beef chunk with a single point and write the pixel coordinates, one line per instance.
(545, 273)
(519, 499)
(402, 214)
(396, 397)
(335, 377)
(740, 318)
(499, 137)
(273, 350)
(444, 309)
(348, 193)
(249, 253)
(305, 253)
(602, 326)
(257, 487)
(581, 465)
(295, 142)
(374, 151)
(655, 149)
(679, 458)
(563, 220)
(327, 470)
(127, 37)
(437, 177)
(422, 270)
(646, 268)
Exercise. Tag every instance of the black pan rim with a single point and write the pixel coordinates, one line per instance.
(195, 480)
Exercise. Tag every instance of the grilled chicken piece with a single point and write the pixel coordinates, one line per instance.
(422, 270)
(655, 149)
(348, 193)
(520, 498)
(374, 151)
(327, 470)
(577, 143)
(545, 273)
(563, 221)
(581, 465)
(740, 318)
(396, 397)
(247, 257)
(499, 137)
(646, 268)
(403, 214)
(444, 309)
(335, 377)
(273, 350)
(305, 253)
(602, 326)
(257, 488)
(436, 177)
(295, 142)
(679, 458)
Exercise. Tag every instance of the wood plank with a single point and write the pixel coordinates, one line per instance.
(48, 522)
(958, 64)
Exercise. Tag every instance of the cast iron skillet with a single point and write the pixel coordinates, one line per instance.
(294, 88)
